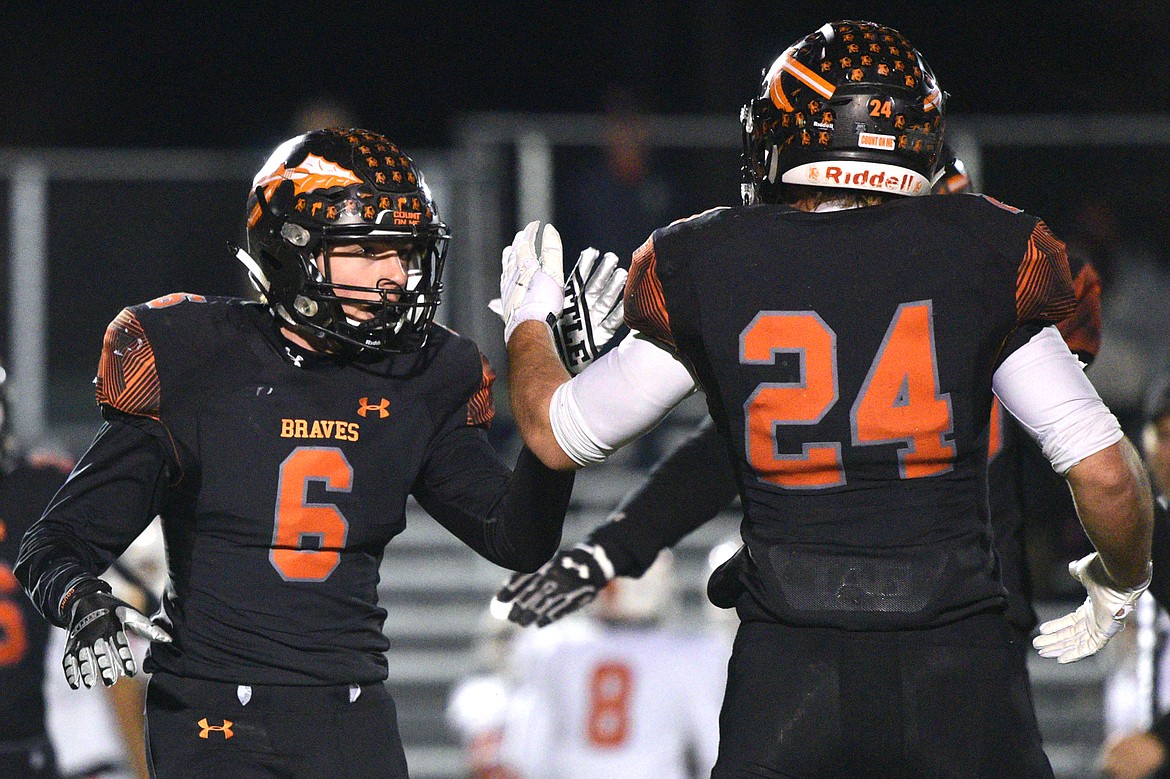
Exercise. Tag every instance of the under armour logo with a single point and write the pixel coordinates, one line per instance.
(572, 565)
(382, 408)
(225, 728)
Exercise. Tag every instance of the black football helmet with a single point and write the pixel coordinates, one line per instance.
(852, 105)
(344, 186)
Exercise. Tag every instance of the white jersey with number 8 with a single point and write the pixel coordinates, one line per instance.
(604, 701)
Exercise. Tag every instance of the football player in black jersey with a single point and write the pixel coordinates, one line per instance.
(279, 441)
(26, 485)
(848, 335)
(696, 481)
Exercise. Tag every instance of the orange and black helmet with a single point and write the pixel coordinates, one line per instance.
(344, 186)
(852, 105)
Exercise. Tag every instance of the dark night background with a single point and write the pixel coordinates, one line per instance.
(147, 75)
(235, 76)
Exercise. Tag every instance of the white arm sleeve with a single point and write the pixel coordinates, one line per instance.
(1043, 385)
(623, 394)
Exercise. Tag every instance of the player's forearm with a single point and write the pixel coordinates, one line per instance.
(48, 568)
(512, 517)
(529, 520)
(535, 372)
(1112, 493)
(690, 486)
(106, 503)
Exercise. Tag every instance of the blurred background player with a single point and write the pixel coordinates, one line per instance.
(96, 735)
(620, 692)
(1139, 755)
(279, 441)
(478, 703)
(26, 487)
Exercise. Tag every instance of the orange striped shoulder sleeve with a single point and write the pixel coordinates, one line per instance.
(480, 408)
(127, 377)
(644, 301)
(1082, 328)
(1044, 284)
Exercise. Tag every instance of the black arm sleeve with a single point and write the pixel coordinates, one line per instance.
(108, 500)
(513, 519)
(691, 485)
(1160, 581)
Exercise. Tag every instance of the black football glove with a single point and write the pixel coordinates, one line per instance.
(593, 309)
(97, 643)
(562, 585)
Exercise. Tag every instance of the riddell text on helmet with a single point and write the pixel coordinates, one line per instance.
(857, 174)
(875, 179)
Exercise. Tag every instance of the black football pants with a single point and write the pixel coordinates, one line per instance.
(200, 730)
(820, 702)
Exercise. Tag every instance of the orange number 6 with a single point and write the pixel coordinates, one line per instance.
(297, 519)
(13, 633)
(610, 689)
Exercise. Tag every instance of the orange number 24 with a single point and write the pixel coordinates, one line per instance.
(900, 401)
(298, 520)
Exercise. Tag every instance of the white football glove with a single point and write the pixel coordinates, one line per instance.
(531, 283)
(1080, 634)
(593, 309)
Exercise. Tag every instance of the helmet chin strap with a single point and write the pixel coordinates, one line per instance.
(259, 277)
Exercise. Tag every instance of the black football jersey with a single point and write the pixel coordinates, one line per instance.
(847, 359)
(281, 476)
(24, 493)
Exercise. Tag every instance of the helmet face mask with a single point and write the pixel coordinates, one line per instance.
(331, 188)
(399, 312)
(952, 177)
(852, 106)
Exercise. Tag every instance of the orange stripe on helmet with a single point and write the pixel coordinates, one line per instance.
(807, 77)
(312, 173)
(779, 99)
